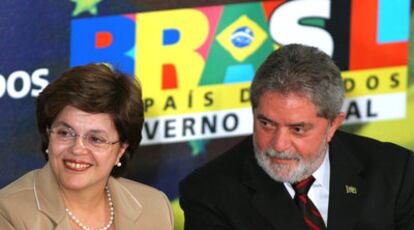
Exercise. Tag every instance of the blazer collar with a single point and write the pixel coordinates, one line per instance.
(50, 202)
(346, 185)
(270, 198)
(127, 208)
(48, 197)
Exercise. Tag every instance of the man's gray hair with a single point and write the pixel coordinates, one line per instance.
(301, 70)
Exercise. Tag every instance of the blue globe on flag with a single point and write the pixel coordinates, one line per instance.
(242, 37)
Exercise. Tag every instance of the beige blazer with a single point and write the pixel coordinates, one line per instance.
(34, 202)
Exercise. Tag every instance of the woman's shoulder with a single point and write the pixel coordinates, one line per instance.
(20, 187)
(17, 200)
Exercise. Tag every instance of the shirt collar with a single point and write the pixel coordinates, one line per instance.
(321, 175)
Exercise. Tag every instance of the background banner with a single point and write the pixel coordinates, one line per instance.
(195, 60)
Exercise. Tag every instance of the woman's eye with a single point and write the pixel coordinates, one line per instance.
(96, 140)
(63, 133)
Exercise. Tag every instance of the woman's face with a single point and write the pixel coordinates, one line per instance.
(81, 147)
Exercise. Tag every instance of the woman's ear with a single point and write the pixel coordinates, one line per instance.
(122, 150)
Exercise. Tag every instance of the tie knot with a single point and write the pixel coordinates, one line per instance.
(302, 187)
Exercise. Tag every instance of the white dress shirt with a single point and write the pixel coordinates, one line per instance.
(319, 191)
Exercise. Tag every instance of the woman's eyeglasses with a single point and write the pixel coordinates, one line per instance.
(92, 140)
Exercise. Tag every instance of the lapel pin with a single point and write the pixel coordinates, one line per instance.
(350, 189)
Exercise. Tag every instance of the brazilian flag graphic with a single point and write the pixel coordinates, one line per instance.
(241, 44)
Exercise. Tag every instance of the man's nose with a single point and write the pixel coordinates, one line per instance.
(281, 140)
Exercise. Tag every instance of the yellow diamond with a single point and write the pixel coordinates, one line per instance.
(242, 38)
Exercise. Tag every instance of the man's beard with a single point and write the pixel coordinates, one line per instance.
(290, 173)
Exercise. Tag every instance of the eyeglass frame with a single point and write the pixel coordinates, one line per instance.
(73, 135)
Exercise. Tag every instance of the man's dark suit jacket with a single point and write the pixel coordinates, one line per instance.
(371, 187)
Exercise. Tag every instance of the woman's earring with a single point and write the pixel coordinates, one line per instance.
(47, 151)
(119, 164)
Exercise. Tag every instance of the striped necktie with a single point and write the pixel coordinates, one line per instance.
(311, 214)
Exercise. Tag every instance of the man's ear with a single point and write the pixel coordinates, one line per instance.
(335, 124)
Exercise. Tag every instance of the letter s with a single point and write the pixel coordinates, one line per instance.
(285, 27)
(39, 81)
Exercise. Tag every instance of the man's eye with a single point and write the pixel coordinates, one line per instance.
(266, 124)
(298, 130)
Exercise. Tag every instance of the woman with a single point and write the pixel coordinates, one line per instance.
(90, 122)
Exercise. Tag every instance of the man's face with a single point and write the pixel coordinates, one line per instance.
(290, 140)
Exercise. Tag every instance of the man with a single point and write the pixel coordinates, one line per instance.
(355, 182)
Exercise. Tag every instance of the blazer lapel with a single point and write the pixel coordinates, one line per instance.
(50, 202)
(346, 187)
(127, 208)
(270, 198)
(48, 198)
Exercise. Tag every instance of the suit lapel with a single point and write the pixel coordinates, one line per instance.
(346, 187)
(270, 198)
(274, 203)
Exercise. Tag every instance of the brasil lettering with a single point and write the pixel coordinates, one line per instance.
(196, 65)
